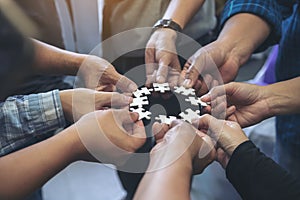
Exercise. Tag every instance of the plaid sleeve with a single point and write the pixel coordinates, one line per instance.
(269, 10)
(26, 120)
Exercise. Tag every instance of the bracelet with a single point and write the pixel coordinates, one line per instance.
(167, 23)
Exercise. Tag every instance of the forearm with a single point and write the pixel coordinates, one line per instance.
(55, 61)
(283, 97)
(29, 119)
(256, 176)
(182, 11)
(25, 171)
(170, 182)
(240, 38)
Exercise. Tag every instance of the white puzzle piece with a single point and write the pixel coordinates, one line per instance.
(189, 115)
(184, 91)
(161, 87)
(166, 120)
(196, 101)
(141, 92)
(142, 113)
(139, 101)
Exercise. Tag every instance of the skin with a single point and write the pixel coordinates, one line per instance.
(161, 48)
(236, 42)
(250, 104)
(229, 135)
(45, 159)
(185, 141)
(78, 102)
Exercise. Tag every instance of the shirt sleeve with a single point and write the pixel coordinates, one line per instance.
(26, 120)
(269, 10)
(255, 176)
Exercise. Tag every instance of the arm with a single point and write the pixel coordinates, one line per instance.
(236, 42)
(30, 168)
(96, 72)
(29, 119)
(161, 45)
(253, 175)
(32, 118)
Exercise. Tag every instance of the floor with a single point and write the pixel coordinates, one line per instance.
(82, 181)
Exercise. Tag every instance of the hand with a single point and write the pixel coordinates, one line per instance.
(78, 102)
(110, 136)
(99, 74)
(228, 135)
(182, 139)
(162, 64)
(249, 102)
(211, 66)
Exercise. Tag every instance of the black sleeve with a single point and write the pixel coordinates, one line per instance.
(255, 176)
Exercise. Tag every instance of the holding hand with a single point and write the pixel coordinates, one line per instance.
(99, 74)
(210, 66)
(182, 140)
(110, 136)
(248, 103)
(161, 58)
(78, 102)
(227, 134)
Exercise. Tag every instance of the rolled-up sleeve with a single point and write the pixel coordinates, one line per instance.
(26, 120)
(269, 10)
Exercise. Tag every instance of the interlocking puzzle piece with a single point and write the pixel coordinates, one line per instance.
(166, 120)
(141, 92)
(139, 101)
(184, 91)
(161, 87)
(189, 115)
(142, 113)
(196, 101)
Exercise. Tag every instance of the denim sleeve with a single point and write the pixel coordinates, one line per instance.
(269, 10)
(26, 120)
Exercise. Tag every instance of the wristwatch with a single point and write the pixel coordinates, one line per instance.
(167, 23)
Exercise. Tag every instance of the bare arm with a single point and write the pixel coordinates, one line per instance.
(28, 169)
(283, 97)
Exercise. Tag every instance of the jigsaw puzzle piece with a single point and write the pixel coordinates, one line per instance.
(141, 92)
(196, 101)
(142, 113)
(184, 91)
(189, 115)
(161, 87)
(166, 120)
(139, 102)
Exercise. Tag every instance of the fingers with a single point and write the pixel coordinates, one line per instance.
(162, 71)
(191, 75)
(111, 99)
(159, 130)
(150, 65)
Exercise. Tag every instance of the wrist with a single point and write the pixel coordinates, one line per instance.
(66, 102)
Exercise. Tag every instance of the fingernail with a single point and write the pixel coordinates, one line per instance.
(187, 83)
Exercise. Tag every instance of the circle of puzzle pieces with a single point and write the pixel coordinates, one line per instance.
(141, 99)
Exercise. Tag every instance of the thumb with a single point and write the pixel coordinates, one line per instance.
(113, 99)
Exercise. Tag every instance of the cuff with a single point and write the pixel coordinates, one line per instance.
(46, 112)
